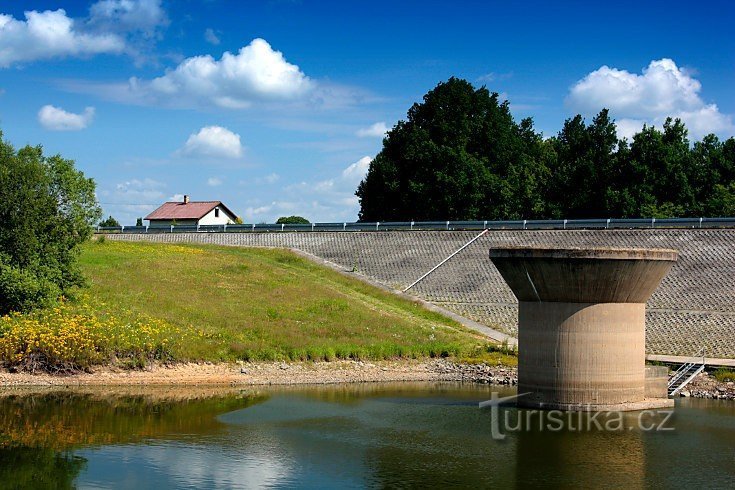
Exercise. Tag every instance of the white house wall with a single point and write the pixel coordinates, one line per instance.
(223, 219)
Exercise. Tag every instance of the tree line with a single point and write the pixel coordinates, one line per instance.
(460, 155)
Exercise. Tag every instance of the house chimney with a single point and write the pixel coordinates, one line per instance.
(186, 199)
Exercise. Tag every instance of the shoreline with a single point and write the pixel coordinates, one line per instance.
(271, 373)
(308, 373)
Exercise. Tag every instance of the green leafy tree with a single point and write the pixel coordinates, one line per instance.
(584, 168)
(459, 155)
(292, 220)
(109, 222)
(139, 222)
(47, 209)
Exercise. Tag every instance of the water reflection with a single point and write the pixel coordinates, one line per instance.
(337, 436)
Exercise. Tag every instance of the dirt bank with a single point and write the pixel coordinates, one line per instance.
(279, 373)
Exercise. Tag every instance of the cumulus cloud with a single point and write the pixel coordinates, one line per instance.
(377, 130)
(214, 181)
(132, 199)
(255, 73)
(57, 119)
(661, 90)
(213, 142)
(326, 200)
(50, 34)
(211, 37)
(144, 16)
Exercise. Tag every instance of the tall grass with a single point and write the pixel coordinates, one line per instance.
(170, 303)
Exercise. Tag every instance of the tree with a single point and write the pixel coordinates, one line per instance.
(459, 155)
(47, 209)
(139, 222)
(584, 168)
(109, 222)
(292, 220)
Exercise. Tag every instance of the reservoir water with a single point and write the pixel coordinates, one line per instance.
(369, 435)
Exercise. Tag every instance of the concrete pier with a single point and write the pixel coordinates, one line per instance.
(581, 325)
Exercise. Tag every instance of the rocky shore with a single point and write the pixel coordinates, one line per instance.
(706, 386)
(275, 373)
(298, 373)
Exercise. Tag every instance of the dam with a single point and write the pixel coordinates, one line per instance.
(693, 308)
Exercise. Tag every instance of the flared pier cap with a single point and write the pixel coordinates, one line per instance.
(583, 275)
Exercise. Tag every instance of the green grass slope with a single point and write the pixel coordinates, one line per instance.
(263, 304)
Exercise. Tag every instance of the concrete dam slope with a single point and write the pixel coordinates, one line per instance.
(694, 306)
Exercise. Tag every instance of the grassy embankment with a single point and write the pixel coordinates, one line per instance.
(171, 303)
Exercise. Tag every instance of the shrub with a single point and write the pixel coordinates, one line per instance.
(47, 209)
(70, 338)
(292, 220)
(724, 374)
(22, 290)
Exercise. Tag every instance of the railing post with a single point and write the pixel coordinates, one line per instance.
(700, 222)
(282, 226)
(484, 225)
(447, 225)
(253, 227)
(224, 228)
(172, 228)
(653, 222)
(122, 229)
(146, 229)
(312, 227)
(197, 227)
(565, 224)
(344, 226)
(377, 225)
(607, 224)
(412, 224)
(524, 224)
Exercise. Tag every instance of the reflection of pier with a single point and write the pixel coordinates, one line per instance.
(581, 324)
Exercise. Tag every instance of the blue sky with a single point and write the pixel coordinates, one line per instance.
(277, 107)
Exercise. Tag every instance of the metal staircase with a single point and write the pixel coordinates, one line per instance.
(686, 373)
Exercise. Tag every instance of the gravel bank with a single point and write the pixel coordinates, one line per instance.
(275, 373)
(706, 386)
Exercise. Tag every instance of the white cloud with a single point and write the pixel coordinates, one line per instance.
(493, 77)
(325, 200)
(214, 142)
(377, 130)
(271, 178)
(357, 171)
(661, 90)
(57, 119)
(144, 16)
(50, 34)
(132, 199)
(211, 37)
(214, 181)
(235, 81)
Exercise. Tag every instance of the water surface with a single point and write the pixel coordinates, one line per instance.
(372, 435)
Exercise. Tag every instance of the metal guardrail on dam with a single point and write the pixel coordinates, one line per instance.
(558, 224)
(693, 308)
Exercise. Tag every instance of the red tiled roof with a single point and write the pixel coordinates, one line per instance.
(180, 210)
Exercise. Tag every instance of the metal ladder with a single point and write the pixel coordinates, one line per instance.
(686, 373)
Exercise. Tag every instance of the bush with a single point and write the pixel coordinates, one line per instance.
(71, 338)
(47, 209)
(724, 374)
(22, 290)
(109, 222)
(292, 220)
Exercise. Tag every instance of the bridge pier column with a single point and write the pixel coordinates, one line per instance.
(581, 325)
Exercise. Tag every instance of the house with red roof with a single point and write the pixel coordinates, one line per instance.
(188, 212)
